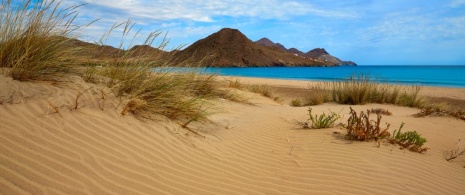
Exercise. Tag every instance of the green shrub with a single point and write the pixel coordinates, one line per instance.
(410, 140)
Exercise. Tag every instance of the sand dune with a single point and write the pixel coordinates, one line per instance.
(49, 147)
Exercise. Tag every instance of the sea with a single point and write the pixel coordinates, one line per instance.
(442, 76)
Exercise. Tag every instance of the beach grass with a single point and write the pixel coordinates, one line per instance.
(33, 46)
(32, 36)
(361, 89)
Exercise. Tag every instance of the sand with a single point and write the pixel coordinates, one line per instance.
(49, 147)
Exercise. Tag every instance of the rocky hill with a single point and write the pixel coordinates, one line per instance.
(230, 48)
(317, 54)
(322, 54)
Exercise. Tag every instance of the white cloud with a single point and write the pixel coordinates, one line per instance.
(457, 3)
(206, 10)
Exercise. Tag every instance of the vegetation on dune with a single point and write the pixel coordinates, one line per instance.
(36, 44)
(361, 128)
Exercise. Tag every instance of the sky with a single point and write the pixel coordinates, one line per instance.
(368, 32)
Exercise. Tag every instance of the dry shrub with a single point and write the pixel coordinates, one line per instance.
(381, 111)
(361, 128)
(436, 111)
(457, 150)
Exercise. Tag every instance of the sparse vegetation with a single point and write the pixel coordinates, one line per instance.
(410, 140)
(320, 122)
(361, 128)
(436, 111)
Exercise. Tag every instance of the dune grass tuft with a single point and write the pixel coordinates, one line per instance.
(32, 35)
(362, 89)
(149, 88)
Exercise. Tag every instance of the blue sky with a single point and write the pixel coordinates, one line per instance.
(369, 32)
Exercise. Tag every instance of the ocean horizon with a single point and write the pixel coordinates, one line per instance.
(425, 75)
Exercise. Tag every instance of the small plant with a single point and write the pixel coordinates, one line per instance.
(296, 103)
(360, 127)
(410, 140)
(458, 150)
(320, 122)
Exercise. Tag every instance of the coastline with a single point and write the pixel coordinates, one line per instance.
(48, 146)
(296, 88)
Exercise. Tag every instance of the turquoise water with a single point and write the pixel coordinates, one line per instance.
(444, 76)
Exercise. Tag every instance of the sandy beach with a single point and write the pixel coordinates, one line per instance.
(69, 138)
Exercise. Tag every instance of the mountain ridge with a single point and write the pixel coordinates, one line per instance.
(230, 48)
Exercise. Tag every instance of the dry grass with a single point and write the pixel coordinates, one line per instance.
(362, 90)
(33, 46)
(147, 92)
(263, 89)
(31, 38)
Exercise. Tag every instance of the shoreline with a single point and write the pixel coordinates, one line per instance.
(455, 97)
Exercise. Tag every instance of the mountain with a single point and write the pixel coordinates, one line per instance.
(322, 54)
(230, 48)
(295, 51)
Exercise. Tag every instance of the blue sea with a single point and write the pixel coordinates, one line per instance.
(443, 76)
